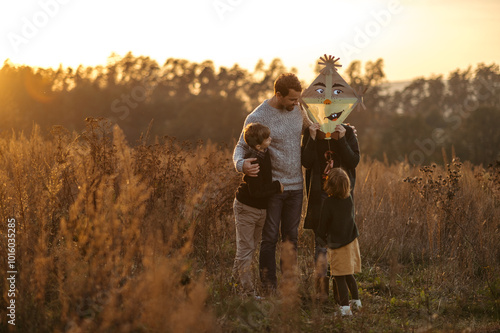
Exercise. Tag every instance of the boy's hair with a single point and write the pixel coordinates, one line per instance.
(337, 184)
(285, 82)
(255, 133)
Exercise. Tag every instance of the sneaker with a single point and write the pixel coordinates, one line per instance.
(345, 310)
(355, 304)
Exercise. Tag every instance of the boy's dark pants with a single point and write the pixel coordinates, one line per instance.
(285, 207)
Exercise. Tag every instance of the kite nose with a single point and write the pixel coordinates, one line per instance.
(327, 101)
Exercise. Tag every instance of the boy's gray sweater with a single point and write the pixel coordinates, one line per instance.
(286, 131)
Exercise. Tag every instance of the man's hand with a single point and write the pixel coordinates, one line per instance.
(250, 169)
(312, 130)
(341, 130)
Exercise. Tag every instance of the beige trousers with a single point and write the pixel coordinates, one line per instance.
(249, 222)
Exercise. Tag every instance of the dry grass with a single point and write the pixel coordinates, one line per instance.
(115, 239)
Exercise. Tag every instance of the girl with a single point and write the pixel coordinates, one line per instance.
(338, 232)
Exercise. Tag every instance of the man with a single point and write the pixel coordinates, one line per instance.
(285, 119)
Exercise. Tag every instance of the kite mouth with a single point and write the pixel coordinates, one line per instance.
(334, 116)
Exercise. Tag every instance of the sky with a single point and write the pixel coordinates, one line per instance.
(416, 38)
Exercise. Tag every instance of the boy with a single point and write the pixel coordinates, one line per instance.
(251, 202)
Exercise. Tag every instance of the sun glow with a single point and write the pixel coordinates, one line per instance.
(414, 39)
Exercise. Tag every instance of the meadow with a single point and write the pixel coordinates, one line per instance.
(119, 237)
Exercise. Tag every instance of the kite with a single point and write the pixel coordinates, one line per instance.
(329, 99)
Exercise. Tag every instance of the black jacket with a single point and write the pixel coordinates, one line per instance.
(345, 155)
(336, 224)
(254, 191)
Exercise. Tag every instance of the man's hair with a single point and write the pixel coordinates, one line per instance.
(337, 184)
(285, 82)
(255, 133)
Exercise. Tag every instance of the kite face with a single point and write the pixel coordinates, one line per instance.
(329, 99)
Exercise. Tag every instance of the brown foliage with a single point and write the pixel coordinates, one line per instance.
(114, 238)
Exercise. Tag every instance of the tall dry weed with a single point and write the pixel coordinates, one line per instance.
(440, 220)
(113, 238)
(87, 258)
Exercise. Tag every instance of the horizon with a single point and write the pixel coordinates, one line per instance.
(218, 67)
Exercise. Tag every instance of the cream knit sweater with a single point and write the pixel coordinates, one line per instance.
(286, 130)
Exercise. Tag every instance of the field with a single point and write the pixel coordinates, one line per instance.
(110, 238)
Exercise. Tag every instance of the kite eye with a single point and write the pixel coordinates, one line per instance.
(320, 90)
(337, 91)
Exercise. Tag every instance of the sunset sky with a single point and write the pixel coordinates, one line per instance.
(414, 37)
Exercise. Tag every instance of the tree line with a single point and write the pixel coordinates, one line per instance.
(195, 101)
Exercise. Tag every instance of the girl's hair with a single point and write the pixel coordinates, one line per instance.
(337, 184)
(255, 133)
